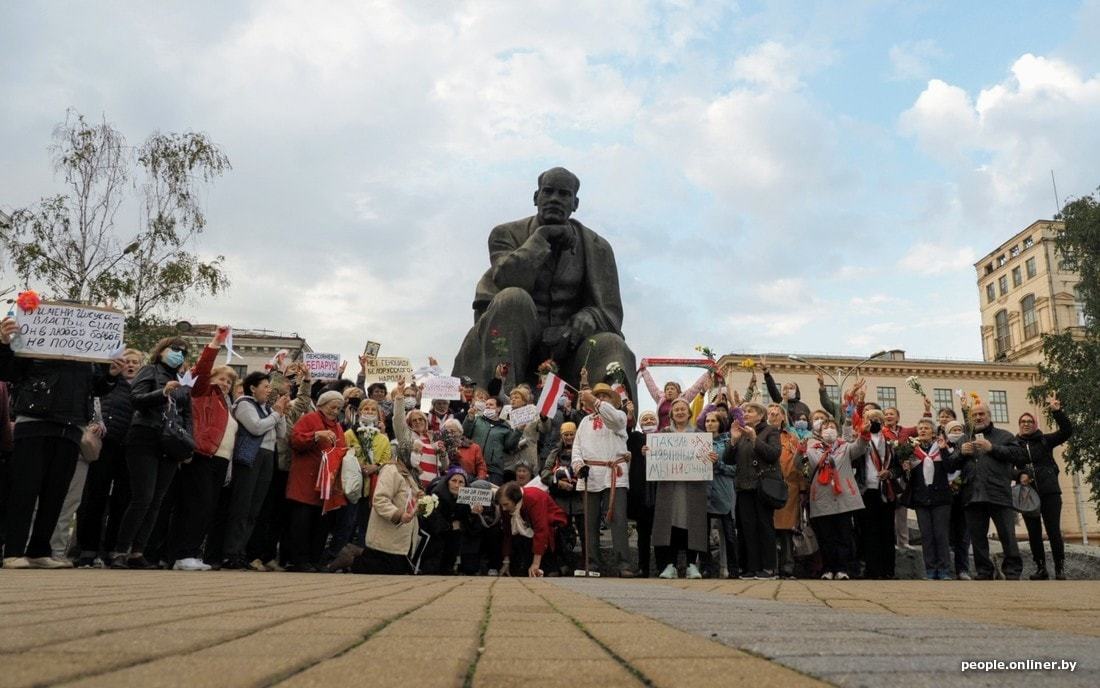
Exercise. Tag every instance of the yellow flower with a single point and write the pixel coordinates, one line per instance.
(748, 363)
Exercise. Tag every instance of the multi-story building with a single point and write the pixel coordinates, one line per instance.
(255, 347)
(1026, 291)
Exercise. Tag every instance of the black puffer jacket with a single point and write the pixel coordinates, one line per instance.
(57, 393)
(754, 457)
(796, 407)
(987, 478)
(1039, 462)
(147, 395)
(117, 410)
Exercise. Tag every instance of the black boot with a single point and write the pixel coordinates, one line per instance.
(1040, 573)
(1059, 570)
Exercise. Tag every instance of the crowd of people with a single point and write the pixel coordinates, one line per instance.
(168, 460)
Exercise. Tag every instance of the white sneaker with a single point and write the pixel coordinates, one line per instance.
(669, 572)
(828, 575)
(492, 573)
(16, 563)
(693, 572)
(49, 563)
(190, 564)
(842, 576)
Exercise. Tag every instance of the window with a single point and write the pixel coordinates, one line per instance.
(1014, 251)
(1001, 260)
(1029, 264)
(1031, 321)
(943, 398)
(1017, 278)
(834, 394)
(990, 292)
(1079, 304)
(240, 370)
(1002, 282)
(1003, 338)
(998, 406)
(887, 397)
(1028, 242)
(988, 268)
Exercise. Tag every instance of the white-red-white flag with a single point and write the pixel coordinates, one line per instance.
(552, 388)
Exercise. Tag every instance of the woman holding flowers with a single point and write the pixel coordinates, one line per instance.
(392, 530)
(928, 492)
(834, 498)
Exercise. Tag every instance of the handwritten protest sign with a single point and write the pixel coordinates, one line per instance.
(387, 370)
(523, 415)
(441, 388)
(322, 366)
(475, 496)
(70, 332)
(678, 456)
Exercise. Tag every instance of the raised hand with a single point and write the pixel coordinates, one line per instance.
(1053, 402)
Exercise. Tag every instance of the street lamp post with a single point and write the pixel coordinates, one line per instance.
(846, 373)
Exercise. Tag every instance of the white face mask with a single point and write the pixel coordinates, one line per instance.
(817, 425)
(954, 437)
(829, 435)
(648, 428)
(490, 413)
(792, 395)
(410, 403)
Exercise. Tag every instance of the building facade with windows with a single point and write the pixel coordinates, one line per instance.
(255, 347)
(1026, 291)
(1002, 385)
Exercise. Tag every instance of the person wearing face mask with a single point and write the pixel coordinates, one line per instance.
(52, 405)
(642, 496)
(393, 529)
(429, 453)
(496, 438)
(464, 452)
(679, 510)
(876, 475)
(151, 472)
(756, 449)
(785, 518)
(1041, 471)
(721, 496)
(834, 498)
(557, 474)
(318, 444)
(201, 479)
(439, 414)
(789, 395)
(107, 488)
(352, 396)
(958, 533)
(988, 458)
(927, 491)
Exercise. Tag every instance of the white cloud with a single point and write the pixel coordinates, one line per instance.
(936, 259)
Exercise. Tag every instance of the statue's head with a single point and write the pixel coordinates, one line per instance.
(556, 196)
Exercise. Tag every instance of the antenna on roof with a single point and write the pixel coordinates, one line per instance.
(1057, 204)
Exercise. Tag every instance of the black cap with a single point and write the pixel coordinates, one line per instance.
(467, 381)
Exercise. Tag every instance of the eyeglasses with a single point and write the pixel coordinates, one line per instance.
(180, 349)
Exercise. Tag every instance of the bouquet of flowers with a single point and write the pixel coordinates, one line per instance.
(548, 366)
(426, 505)
(914, 384)
(615, 373)
(706, 351)
(500, 347)
(28, 301)
(748, 363)
(903, 451)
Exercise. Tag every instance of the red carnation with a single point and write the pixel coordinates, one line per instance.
(28, 301)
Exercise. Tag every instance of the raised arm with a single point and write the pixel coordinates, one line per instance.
(654, 391)
(773, 390)
(516, 265)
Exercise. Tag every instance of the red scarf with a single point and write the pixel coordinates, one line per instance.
(826, 470)
(885, 486)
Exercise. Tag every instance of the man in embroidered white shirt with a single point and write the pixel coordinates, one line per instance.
(600, 449)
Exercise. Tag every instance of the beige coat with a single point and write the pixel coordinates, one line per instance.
(385, 532)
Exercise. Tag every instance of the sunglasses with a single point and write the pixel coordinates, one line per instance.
(179, 349)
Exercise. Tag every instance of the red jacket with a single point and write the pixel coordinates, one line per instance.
(305, 461)
(544, 516)
(473, 462)
(209, 408)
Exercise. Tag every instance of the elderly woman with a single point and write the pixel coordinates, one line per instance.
(393, 528)
(756, 448)
(531, 521)
(1041, 471)
(463, 451)
(834, 497)
(201, 479)
(496, 438)
(641, 498)
(875, 474)
(527, 451)
(680, 510)
(671, 392)
(721, 495)
(954, 432)
(318, 444)
(786, 517)
(428, 455)
(928, 492)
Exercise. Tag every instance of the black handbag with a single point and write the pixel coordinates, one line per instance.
(773, 488)
(175, 437)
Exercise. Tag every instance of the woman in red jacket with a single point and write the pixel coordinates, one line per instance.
(313, 488)
(531, 521)
(202, 478)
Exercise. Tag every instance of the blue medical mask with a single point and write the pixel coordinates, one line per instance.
(801, 425)
(174, 359)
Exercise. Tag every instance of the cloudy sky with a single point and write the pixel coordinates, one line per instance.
(813, 177)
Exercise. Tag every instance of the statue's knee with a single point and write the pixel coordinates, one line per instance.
(513, 300)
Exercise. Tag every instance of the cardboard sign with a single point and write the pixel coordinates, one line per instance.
(322, 366)
(441, 388)
(371, 349)
(475, 496)
(388, 370)
(677, 456)
(70, 332)
(523, 415)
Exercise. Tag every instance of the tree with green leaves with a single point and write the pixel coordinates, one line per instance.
(72, 244)
(1072, 358)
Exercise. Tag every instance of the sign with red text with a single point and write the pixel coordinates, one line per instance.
(322, 366)
(71, 332)
(676, 456)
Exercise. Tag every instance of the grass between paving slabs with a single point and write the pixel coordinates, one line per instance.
(634, 671)
(371, 632)
(488, 613)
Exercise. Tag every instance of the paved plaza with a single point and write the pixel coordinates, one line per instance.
(164, 628)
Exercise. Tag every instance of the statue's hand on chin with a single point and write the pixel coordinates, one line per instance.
(581, 326)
